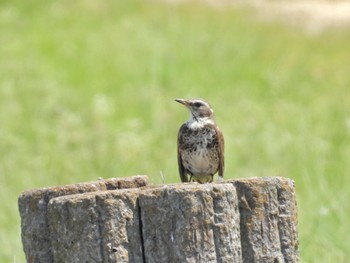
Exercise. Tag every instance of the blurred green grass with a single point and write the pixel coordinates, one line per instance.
(87, 89)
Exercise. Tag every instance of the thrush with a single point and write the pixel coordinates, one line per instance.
(200, 144)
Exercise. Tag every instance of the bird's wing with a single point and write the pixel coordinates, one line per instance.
(182, 170)
(221, 152)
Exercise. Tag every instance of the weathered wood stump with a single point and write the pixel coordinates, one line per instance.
(244, 220)
(33, 205)
(268, 212)
(96, 227)
(191, 223)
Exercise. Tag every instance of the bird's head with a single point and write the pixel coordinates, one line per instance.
(198, 108)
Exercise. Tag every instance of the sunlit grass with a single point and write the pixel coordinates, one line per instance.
(87, 90)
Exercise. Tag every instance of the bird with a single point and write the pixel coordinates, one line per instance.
(200, 144)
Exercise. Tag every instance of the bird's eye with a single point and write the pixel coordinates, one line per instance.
(198, 104)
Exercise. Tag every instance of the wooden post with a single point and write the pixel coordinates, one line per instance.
(33, 204)
(96, 227)
(245, 220)
(191, 223)
(268, 211)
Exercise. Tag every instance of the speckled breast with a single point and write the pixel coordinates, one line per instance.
(199, 150)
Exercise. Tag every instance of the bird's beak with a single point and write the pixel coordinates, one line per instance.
(182, 101)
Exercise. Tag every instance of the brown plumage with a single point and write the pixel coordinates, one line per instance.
(200, 144)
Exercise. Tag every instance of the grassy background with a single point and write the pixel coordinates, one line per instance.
(87, 90)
